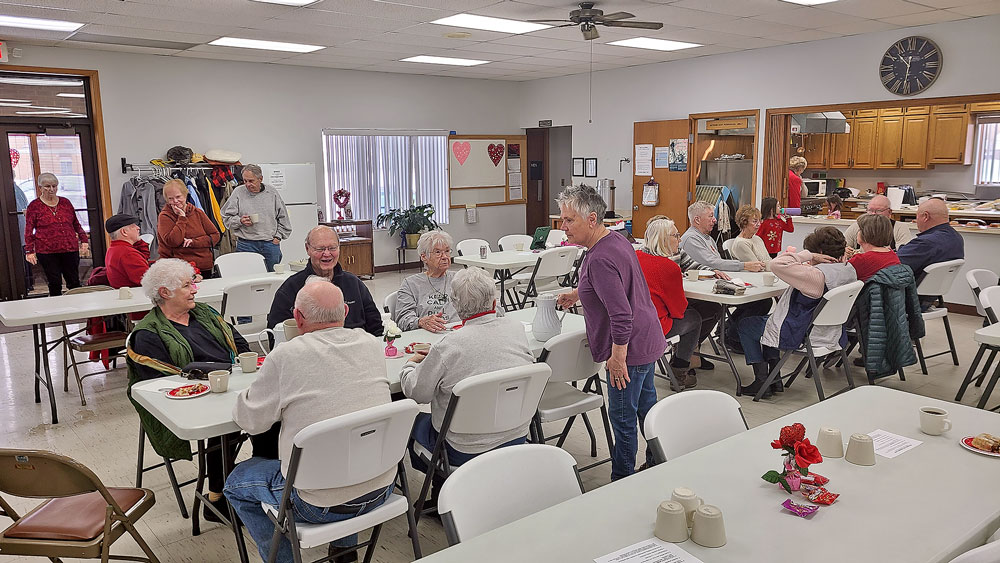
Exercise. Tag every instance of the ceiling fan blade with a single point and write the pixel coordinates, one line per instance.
(636, 25)
(590, 33)
(547, 21)
(618, 16)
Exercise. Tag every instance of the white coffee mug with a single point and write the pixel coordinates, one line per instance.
(291, 329)
(280, 268)
(219, 380)
(519, 246)
(770, 279)
(671, 522)
(248, 362)
(255, 218)
(830, 443)
(708, 528)
(934, 421)
(692, 275)
(124, 293)
(688, 500)
(277, 333)
(860, 450)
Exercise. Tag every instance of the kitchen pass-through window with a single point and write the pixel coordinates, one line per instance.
(988, 150)
(387, 169)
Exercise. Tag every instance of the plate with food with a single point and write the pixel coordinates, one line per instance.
(985, 444)
(188, 391)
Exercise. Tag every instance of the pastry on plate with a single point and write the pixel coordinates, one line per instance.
(987, 443)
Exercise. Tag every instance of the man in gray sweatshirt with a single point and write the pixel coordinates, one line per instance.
(257, 215)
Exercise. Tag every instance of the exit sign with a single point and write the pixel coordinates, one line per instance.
(4, 55)
(545, 123)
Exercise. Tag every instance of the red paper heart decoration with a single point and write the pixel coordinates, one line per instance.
(15, 157)
(496, 153)
(462, 149)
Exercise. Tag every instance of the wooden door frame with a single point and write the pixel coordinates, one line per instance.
(692, 146)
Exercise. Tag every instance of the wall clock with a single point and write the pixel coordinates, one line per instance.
(910, 65)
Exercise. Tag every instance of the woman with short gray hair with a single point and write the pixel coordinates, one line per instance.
(796, 189)
(423, 299)
(485, 343)
(53, 235)
(622, 324)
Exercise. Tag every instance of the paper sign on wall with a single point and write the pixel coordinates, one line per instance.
(515, 193)
(662, 157)
(643, 168)
(677, 155)
(471, 214)
(643, 152)
(276, 178)
(514, 179)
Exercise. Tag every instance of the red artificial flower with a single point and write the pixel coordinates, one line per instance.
(776, 444)
(806, 454)
(792, 434)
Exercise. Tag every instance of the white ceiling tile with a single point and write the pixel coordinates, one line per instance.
(381, 47)
(13, 33)
(322, 64)
(522, 11)
(47, 13)
(435, 30)
(254, 9)
(540, 42)
(213, 13)
(809, 17)
(137, 33)
(753, 28)
(943, 3)
(240, 57)
(463, 5)
(699, 36)
(807, 35)
(403, 11)
(417, 40)
(501, 48)
(316, 35)
(139, 22)
(924, 18)
(334, 55)
(121, 48)
(96, 6)
(684, 17)
(979, 9)
(864, 26)
(337, 19)
(740, 8)
(751, 42)
(873, 9)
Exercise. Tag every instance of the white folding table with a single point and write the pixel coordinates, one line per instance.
(505, 263)
(702, 291)
(926, 505)
(36, 312)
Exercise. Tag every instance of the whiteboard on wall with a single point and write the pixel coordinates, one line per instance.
(477, 162)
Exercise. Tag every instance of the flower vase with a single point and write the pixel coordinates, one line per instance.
(390, 350)
(792, 477)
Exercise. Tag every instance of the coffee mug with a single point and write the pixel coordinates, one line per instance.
(219, 380)
(688, 500)
(861, 450)
(276, 333)
(124, 293)
(255, 217)
(770, 279)
(519, 246)
(830, 443)
(692, 275)
(671, 522)
(934, 421)
(248, 362)
(291, 329)
(708, 528)
(280, 268)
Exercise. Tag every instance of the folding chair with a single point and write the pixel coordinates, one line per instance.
(505, 485)
(552, 264)
(77, 341)
(685, 422)
(832, 311)
(666, 372)
(471, 246)
(938, 279)
(81, 518)
(727, 247)
(489, 403)
(980, 279)
(987, 553)
(240, 264)
(250, 298)
(568, 354)
(509, 242)
(990, 300)
(389, 305)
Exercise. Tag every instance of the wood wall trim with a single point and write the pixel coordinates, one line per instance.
(775, 152)
(909, 102)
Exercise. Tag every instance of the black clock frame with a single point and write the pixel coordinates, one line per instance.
(913, 46)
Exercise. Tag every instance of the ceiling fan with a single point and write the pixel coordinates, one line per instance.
(588, 18)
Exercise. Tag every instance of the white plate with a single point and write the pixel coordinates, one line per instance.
(208, 389)
(967, 444)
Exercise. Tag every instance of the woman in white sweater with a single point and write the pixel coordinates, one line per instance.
(747, 246)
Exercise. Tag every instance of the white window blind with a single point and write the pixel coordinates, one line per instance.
(988, 150)
(387, 170)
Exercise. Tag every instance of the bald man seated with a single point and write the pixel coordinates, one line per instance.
(936, 240)
(879, 205)
(326, 371)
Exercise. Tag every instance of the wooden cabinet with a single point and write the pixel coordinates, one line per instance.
(885, 112)
(917, 110)
(866, 113)
(913, 147)
(947, 137)
(357, 254)
(863, 136)
(949, 108)
(817, 147)
(984, 106)
(839, 155)
(890, 139)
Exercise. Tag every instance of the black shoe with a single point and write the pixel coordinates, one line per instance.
(344, 558)
(777, 387)
(859, 361)
(706, 365)
(751, 390)
(221, 505)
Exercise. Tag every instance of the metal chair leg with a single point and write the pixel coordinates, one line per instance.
(847, 371)
(920, 356)
(951, 340)
(972, 370)
(173, 485)
(593, 437)
(404, 485)
(814, 370)
(986, 368)
(138, 463)
(989, 388)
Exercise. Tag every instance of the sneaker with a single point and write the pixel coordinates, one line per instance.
(684, 381)
(706, 365)
(343, 558)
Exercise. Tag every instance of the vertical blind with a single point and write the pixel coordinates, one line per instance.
(387, 171)
(988, 150)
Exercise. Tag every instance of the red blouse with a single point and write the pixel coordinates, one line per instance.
(49, 230)
(666, 287)
(867, 264)
(770, 232)
(794, 189)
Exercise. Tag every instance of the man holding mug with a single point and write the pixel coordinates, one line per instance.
(257, 215)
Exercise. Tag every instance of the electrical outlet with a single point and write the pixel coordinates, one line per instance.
(562, 181)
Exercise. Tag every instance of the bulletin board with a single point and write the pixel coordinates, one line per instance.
(486, 170)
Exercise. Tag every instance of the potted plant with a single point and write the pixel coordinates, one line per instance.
(409, 222)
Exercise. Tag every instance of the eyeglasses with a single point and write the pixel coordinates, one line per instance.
(439, 252)
(322, 249)
(675, 235)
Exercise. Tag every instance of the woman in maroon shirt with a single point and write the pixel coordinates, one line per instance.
(796, 166)
(53, 236)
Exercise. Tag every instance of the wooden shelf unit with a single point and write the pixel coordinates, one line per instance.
(357, 254)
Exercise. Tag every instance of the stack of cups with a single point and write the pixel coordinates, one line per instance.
(686, 510)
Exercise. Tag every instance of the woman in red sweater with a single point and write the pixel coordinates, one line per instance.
(666, 288)
(796, 166)
(771, 226)
(184, 231)
(53, 236)
(874, 237)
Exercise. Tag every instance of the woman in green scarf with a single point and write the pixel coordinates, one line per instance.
(176, 332)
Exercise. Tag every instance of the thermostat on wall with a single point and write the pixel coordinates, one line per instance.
(4, 55)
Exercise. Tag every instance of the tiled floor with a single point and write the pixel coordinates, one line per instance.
(103, 436)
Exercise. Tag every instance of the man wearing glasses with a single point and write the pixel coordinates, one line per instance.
(323, 247)
(879, 205)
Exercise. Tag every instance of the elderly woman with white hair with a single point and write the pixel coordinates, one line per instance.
(796, 166)
(172, 338)
(485, 343)
(422, 300)
(622, 325)
(53, 236)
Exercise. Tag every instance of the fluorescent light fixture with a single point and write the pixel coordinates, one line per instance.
(809, 2)
(655, 44)
(70, 95)
(60, 112)
(61, 82)
(38, 23)
(442, 61)
(43, 107)
(265, 45)
(485, 23)
(15, 104)
(5, 101)
(288, 2)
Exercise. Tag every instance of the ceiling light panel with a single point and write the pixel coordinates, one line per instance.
(60, 82)
(39, 23)
(655, 44)
(265, 45)
(487, 23)
(808, 2)
(288, 2)
(442, 61)
(70, 95)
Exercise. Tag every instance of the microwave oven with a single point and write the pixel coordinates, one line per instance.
(815, 188)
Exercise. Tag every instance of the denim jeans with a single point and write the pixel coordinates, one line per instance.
(258, 480)
(426, 435)
(626, 407)
(270, 251)
(751, 330)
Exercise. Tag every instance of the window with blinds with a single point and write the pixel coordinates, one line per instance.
(987, 150)
(386, 170)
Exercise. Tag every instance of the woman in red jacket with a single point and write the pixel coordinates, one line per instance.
(666, 288)
(53, 236)
(184, 231)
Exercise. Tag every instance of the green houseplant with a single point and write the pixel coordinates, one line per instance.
(409, 222)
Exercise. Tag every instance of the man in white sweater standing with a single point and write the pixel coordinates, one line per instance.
(325, 372)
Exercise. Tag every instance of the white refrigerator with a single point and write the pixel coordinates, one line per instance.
(296, 183)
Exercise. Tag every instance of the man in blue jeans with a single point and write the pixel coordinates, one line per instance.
(257, 216)
(325, 372)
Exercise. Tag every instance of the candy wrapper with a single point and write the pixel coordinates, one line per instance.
(819, 495)
(800, 510)
(815, 479)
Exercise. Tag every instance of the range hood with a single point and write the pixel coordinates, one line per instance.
(825, 122)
